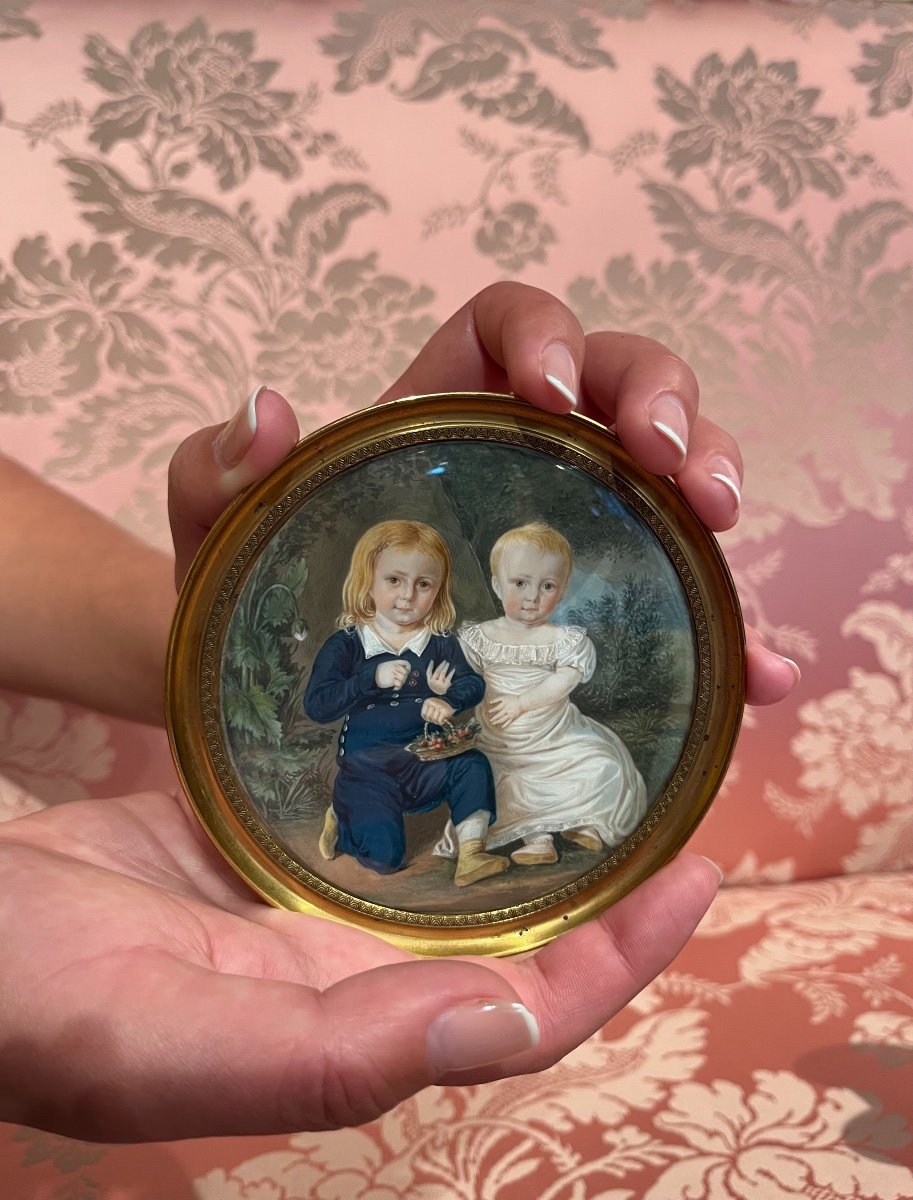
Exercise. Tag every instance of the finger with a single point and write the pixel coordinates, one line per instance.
(230, 1054)
(509, 337)
(651, 396)
(648, 393)
(770, 677)
(214, 465)
(711, 478)
(577, 982)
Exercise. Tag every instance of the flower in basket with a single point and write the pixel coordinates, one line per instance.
(445, 740)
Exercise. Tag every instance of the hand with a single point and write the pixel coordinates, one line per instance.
(436, 711)
(504, 710)
(392, 673)
(211, 467)
(511, 337)
(440, 678)
(147, 994)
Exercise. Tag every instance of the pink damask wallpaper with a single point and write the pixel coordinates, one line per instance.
(199, 197)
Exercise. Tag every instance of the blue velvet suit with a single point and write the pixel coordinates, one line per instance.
(379, 780)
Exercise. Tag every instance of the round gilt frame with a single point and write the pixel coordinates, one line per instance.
(197, 731)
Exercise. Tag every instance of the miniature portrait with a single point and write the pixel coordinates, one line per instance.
(459, 678)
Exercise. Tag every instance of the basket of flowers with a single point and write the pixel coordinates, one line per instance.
(444, 741)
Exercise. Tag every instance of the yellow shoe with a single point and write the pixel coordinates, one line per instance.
(538, 852)
(583, 838)
(326, 843)
(473, 863)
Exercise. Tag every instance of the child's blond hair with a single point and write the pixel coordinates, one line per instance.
(539, 535)
(357, 605)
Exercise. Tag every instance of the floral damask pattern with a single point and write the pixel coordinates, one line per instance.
(778, 1137)
(887, 1035)
(298, 195)
(356, 330)
(856, 743)
(889, 70)
(754, 124)
(209, 288)
(89, 319)
(49, 753)
(781, 1140)
(672, 1118)
(193, 94)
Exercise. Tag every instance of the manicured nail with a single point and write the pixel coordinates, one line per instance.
(716, 866)
(475, 1035)
(234, 441)
(795, 666)
(725, 473)
(561, 371)
(667, 416)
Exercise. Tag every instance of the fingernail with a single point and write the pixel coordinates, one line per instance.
(716, 866)
(561, 371)
(234, 441)
(795, 666)
(667, 416)
(475, 1035)
(725, 473)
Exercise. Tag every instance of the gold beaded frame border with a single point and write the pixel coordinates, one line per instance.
(422, 420)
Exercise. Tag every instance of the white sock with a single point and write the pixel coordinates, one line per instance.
(473, 828)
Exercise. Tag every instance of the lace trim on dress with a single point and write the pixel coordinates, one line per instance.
(502, 652)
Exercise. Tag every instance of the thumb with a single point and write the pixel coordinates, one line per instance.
(214, 465)
(228, 1054)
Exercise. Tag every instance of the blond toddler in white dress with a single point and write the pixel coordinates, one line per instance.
(555, 770)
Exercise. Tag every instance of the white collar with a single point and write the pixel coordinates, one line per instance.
(374, 644)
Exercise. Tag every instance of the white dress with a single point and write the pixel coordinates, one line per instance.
(554, 768)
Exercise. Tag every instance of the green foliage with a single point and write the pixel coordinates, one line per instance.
(283, 760)
(293, 780)
(637, 676)
(490, 491)
(252, 711)
(261, 680)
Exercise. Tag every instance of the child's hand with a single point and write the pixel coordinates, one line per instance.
(504, 710)
(436, 711)
(439, 678)
(392, 674)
